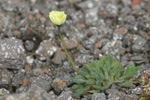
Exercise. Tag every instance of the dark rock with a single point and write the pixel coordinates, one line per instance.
(22, 89)
(29, 45)
(18, 78)
(138, 59)
(42, 81)
(12, 53)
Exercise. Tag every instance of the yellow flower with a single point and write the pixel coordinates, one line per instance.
(57, 17)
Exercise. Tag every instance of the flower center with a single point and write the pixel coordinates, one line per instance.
(58, 16)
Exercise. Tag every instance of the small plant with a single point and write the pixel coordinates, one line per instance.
(145, 83)
(100, 75)
(58, 18)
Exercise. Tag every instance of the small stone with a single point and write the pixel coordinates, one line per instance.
(29, 95)
(29, 45)
(114, 94)
(18, 78)
(126, 2)
(112, 9)
(121, 31)
(4, 92)
(42, 81)
(59, 57)
(99, 96)
(81, 26)
(27, 68)
(12, 53)
(35, 87)
(144, 35)
(138, 59)
(139, 43)
(65, 96)
(5, 77)
(98, 44)
(59, 85)
(17, 34)
(85, 5)
(138, 40)
(25, 83)
(91, 17)
(38, 16)
(45, 50)
(70, 44)
(137, 48)
(30, 60)
(124, 63)
(148, 33)
(137, 90)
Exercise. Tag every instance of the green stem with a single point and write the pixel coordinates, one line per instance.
(67, 51)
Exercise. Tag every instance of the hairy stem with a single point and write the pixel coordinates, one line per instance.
(67, 51)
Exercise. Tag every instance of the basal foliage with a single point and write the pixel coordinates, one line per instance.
(100, 75)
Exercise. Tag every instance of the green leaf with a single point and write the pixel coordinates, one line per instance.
(94, 74)
(109, 60)
(101, 63)
(75, 87)
(116, 69)
(90, 81)
(80, 91)
(98, 83)
(84, 71)
(103, 88)
(94, 91)
(130, 72)
(125, 84)
(106, 70)
(79, 79)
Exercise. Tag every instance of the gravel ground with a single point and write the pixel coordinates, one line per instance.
(33, 64)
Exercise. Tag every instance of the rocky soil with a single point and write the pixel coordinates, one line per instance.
(33, 64)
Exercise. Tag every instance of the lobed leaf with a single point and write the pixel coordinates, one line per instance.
(126, 84)
(80, 91)
(79, 79)
(130, 72)
(94, 91)
(84, 71)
